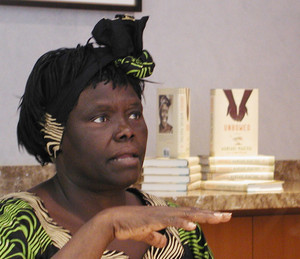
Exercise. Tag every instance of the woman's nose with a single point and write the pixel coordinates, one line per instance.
(124, 131)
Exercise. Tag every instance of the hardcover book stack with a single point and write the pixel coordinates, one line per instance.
(234, 163)
(259, 167)
(170, 176)
(238, 173)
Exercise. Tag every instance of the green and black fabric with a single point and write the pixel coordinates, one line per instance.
(27, 231)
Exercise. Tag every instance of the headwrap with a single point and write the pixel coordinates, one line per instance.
(117, 42)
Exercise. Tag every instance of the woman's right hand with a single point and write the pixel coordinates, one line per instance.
(139, 223)
(142, 223)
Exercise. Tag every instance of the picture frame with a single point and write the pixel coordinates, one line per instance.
(110, 5)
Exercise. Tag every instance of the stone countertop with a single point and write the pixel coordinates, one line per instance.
(18, 178)
(238, 202)
(242, 203)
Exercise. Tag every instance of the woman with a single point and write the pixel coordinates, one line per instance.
(82, 111)
(164, 105)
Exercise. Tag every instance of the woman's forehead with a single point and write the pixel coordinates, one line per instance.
(107, 92)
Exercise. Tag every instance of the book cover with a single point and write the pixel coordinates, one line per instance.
(239, 186)
(173, 122)
(234, 122)
(172, 170)
(171, 178)
(164, 187)
(238, 176)
(236, 168)
(171, 162)
(241, 160)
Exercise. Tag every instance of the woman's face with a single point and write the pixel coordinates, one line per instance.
(105, 138)
(164, 110)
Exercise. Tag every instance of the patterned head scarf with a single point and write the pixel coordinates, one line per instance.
(59, 77)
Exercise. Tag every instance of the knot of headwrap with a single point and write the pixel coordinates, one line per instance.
(140, 67)
(123, 38)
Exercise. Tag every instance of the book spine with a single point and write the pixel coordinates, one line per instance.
(194, 185)
(166, 170)
(195, 177)
(237, 168)
(193, 160)
(225, 160)
(163, 187)
(183, 122)
(195, 169)
(208, 185)
(238, 176)
(168, 193)
(166, 179)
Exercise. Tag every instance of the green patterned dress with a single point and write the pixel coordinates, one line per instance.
(27, 231)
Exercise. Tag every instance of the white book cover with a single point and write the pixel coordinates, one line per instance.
(172, 170)
(173, 122)
(234, 122)
(171, 162)
(171, 178)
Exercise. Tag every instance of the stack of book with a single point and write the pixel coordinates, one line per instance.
(170, 176)
(238, 173)
(259, 167)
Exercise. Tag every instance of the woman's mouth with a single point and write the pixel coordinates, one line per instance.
(125, 160)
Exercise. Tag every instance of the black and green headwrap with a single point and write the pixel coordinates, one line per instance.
(59, 77)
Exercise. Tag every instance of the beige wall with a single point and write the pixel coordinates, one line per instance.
(201, 44)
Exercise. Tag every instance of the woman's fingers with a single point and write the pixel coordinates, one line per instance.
(155, 239)
(210, 217)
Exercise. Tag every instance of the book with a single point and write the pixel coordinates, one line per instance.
(171, 178)
(234, 122)
(171, 162)
(172, 170)
(168, 193)
(236, 168)
(238, 176)
(173, 122)
(239, 186)
(241, 160)
(148, 187)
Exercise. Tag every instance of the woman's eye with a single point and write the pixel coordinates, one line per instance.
(100, 119)
(135, 115)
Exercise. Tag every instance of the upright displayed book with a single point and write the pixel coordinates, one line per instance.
(170, 176)
(173, 122)
(234, 122)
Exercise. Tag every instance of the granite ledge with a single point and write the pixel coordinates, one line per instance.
(19, 178)
(236, 202)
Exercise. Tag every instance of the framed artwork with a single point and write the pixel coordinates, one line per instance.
(113, 5)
